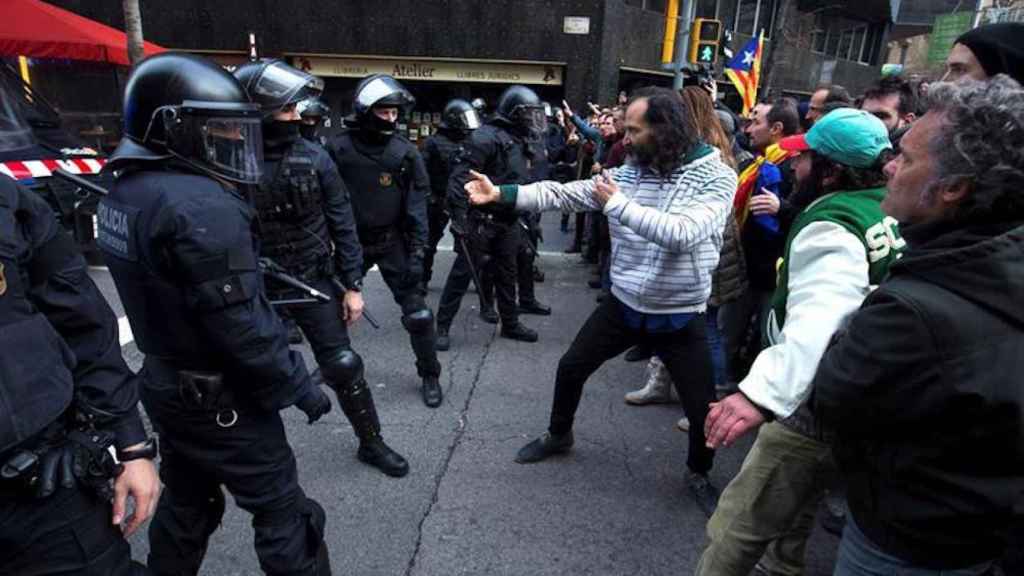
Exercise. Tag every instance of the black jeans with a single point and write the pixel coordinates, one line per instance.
(685, 353)
(251, 458)
(493, 247)
(393, 263)
(68, 533)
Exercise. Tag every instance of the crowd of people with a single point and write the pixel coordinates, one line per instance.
(839, 278)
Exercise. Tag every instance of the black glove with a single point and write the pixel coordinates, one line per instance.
(81, 457)
(315, 404)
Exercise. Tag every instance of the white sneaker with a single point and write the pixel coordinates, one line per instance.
(659, 388)
(683, 424)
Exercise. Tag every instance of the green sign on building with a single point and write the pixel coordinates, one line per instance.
(946, 29)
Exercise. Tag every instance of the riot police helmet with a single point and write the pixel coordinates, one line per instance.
(15, 133)
(313, 109)
(185, 107)
(520, 107)
(459, 115)
(376, 92)
(275, 85)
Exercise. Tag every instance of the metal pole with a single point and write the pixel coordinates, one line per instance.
(682, 44)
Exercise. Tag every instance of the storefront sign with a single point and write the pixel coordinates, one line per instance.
(576, 25)
(437, 71)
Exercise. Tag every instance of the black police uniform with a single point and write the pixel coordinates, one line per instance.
(304, 209)
(59, 355)
(389, 185)
(439, 155)
(491, 231)
(217, 371)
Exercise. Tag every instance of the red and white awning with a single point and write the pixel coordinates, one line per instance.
(26, 169)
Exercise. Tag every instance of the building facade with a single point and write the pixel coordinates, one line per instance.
(579, 50)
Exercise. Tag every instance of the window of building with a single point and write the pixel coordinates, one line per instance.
(832, 44)
(871, 45)
(707, 9)
(857, 47)
(818, 39)
(753, 16)
(845, 41)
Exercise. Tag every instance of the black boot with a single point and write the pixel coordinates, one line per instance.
(518, 332)
(443, 341)
(357, 404)
(432, 393)
(534, 307)
(487, 314)
(547, 445)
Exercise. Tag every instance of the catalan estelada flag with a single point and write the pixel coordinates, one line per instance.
(744, 70)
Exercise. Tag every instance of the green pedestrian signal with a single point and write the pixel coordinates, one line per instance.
(704, 36)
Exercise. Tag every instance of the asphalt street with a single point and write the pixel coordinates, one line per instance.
(615, 505)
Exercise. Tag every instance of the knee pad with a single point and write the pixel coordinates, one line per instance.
(342, 368)
(419, 321)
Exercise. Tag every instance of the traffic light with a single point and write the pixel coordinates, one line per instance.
(704, 35)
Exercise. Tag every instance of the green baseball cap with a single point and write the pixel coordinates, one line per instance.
(845, 135)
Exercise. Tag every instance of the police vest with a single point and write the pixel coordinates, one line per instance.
(289, 202)
(36, 384)
(128, 221)
(378, 182)
(440, 166)
(513, 160)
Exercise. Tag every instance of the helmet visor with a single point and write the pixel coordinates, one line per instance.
(233, 147)
(470, 119)
(15, 133)
(280, 85)
(226, 140)
(384, 91)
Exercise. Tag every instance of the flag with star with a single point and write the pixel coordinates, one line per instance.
(744, 70)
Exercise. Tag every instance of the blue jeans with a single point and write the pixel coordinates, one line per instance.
(858, 556)
(716, 342)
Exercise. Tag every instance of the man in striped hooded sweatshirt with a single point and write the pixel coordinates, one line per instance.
(666, 209)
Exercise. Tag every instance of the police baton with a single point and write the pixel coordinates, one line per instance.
(270, 268)
(366, 313)
(472, 269)
(529, 242)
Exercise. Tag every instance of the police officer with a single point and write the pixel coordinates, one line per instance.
(501, 149)
(66, 396)
(304, 210)
(385, 175)
(314, 113)
(177, 234)
(439, 153)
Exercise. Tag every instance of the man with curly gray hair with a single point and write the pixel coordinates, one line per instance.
(923, 385)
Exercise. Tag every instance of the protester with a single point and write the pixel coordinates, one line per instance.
(839, 246)
(894, 101)
(825, 94)
(761, 207)
(728, 281)
(667, 208)
(922, 386)
(983, 52)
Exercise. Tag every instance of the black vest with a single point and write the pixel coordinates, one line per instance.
(36, 384)
(128, 221)
(289, 201)
(439, 168)
(378, 180)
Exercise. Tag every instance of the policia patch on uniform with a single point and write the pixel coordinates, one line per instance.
(386, 179)
(115, 224)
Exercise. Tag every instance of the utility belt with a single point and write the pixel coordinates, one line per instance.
(201, 388)
(490, 219)
(70, 451)
(380, 241)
